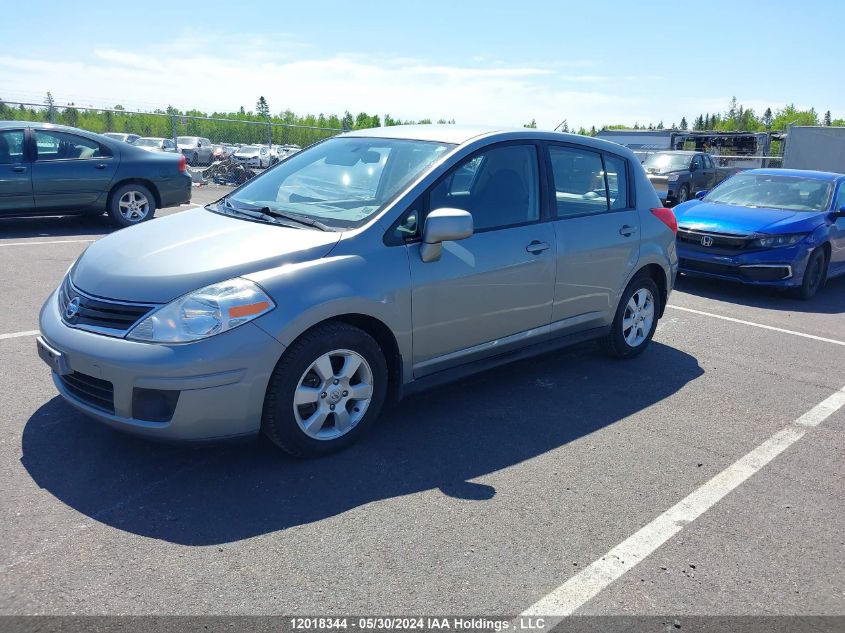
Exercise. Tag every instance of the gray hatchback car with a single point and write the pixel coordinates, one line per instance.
(369, 266)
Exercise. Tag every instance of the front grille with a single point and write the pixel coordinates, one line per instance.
(92, 391)
(99, 315)
(717, 241)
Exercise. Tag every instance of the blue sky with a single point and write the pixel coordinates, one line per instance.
(500, 63)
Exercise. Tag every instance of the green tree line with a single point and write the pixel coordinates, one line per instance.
(242, 127)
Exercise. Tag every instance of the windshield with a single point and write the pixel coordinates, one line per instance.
(340, 182)
(148, 142)
(774, 191)
(248, 148)
(186, 140)
(667, 162)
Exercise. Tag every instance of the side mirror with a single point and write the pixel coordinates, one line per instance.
(839, 214)
(693, 167)
(443, 225)
(700, 194)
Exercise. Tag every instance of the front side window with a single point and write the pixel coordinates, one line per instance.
(55, 145)
(580, 186)
(340, 182)
(840, 198)
(11, 147)
(499, 187)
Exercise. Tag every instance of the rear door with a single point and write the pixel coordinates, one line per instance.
(597, 232)
(710, 172)
(15, 173)
(70, 172)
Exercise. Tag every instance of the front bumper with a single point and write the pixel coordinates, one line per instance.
(778, 267)
(221, 381)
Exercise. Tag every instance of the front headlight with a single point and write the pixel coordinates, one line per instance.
(673, 177)
(772, 241)
(204, 312)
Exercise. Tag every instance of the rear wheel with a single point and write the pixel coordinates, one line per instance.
(131, 204)
(635, 320)
(326, 391)
(814, 275)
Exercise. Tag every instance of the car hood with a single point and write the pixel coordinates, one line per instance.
(729, 218)
(160, 260)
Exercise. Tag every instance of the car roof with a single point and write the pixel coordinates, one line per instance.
(802, 173)
(461, 134)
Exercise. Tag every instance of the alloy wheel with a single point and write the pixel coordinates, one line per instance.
(133, 206)
(333, 394)
(638, 317)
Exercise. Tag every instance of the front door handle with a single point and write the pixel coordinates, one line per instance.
(19, 168)
(100, 166)
(627, 230)
(537, 247)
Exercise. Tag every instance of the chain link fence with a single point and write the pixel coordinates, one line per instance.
(243, 144)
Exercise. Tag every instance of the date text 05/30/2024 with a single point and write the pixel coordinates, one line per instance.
(422, 623)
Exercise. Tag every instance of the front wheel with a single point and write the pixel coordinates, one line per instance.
(683, 194)
(814, 275)
(636, 319)
(326, 391)
(131, 204)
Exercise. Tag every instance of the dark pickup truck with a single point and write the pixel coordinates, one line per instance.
(677, 175)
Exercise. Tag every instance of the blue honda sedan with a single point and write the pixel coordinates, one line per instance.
(770, 227)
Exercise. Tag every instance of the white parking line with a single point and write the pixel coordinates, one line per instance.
(582, 587)
(760, 325)
(45, 242)
(19, 334)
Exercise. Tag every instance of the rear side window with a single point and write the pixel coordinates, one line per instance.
(54, 145)
(11, 147)
(580, 186)
(617, 181)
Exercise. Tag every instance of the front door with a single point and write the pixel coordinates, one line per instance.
(15, 173)
(492, 292)
(597, 232)
(70, 172)
(837, 235)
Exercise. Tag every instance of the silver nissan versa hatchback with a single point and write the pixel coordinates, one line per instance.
(366, 267)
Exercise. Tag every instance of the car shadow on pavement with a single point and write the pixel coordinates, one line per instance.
(56, 226)
(442, 439)
(829, 300)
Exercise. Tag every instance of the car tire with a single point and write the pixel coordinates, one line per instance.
(814, 275)
(297, 416)
(635, 320)
(131, 204)
(682, 195)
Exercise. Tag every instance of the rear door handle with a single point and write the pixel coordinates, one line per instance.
(19, 168)
(627, 230)
(537, 247)
(100, 166)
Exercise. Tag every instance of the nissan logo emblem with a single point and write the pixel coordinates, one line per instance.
(707, 241)
(72, 308)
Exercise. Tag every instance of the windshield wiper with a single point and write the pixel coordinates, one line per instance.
(258, 214)
(268, 214)
(294, 217)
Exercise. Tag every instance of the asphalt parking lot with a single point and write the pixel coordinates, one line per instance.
(542, 485)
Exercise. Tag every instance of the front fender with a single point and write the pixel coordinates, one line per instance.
(375, 284)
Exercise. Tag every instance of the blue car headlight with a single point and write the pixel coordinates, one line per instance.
(773, 241)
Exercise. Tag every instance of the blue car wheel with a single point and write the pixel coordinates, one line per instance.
(814, 275)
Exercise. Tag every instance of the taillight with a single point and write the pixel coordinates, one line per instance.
(183, 164)
(667, 216)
